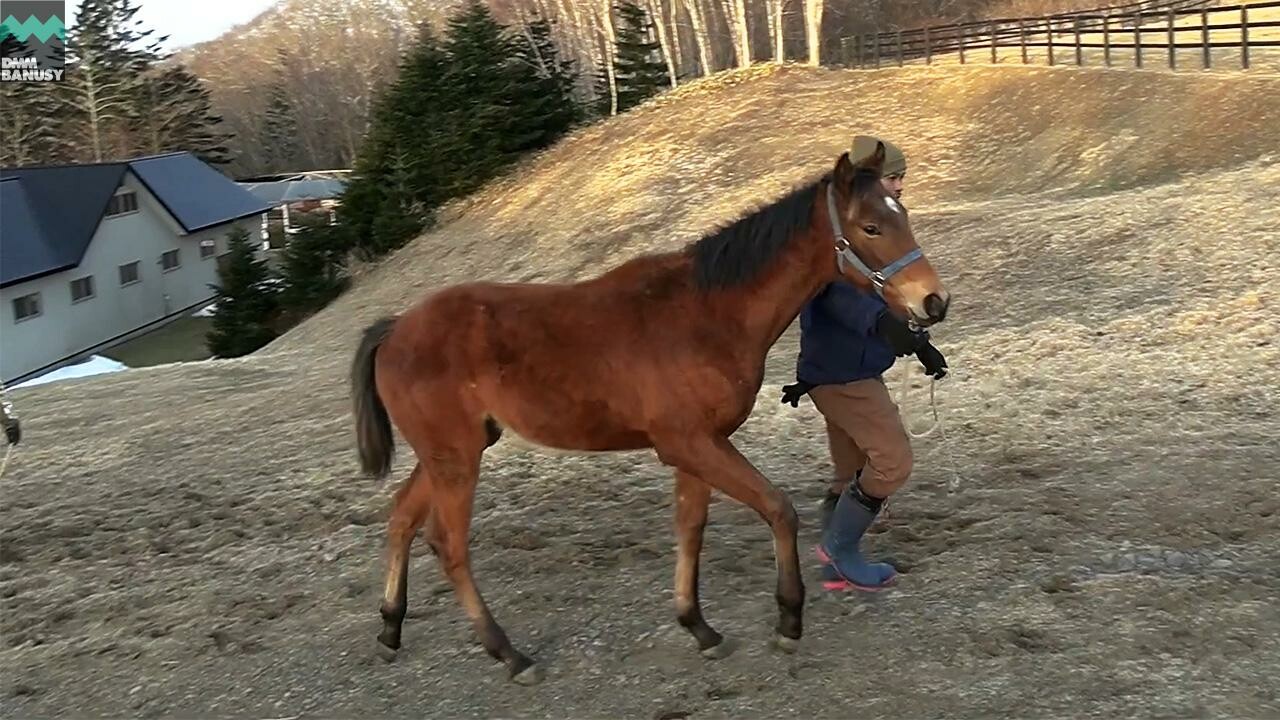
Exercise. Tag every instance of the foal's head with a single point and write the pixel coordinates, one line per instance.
(878, 251)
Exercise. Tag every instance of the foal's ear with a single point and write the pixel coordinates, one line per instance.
(873, 162)
(843, 175)
(855, 178)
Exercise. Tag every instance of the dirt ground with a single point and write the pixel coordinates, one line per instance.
(195, 540)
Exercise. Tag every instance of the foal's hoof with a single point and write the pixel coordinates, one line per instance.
(386, 653)
(719, 651)
(531, 675)
(786, 644)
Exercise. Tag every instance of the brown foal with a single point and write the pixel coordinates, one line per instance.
(666, 351)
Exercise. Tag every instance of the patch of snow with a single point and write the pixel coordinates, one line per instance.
(208, 311)
(95, 365)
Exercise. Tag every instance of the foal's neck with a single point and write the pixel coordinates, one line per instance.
(806, 264)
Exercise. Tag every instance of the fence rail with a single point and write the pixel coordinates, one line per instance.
(1130, 27)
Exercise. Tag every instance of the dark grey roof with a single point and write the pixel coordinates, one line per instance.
(21, 230)
(194, 193)
(63, 207)
(50, 214)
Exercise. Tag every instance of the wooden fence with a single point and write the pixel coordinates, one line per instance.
(1149, 35)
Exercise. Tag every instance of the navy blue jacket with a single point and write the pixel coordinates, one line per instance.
(838, 340)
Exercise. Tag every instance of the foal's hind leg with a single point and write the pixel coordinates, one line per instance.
(692, 499)
(453, 473)
(410, 507)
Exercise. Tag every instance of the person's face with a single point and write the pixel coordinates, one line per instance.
(893, 184)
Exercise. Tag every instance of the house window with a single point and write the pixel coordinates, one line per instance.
(208, 248)
(125, 202)
(26, 307)
(82, 288)
(169, 261)
(129, 273)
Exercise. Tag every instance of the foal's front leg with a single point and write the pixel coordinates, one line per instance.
(718, 463)
(692, 496)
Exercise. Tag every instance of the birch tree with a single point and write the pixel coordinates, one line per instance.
(813, 27)
(701, 38)
(735, 12)
(776, 10)
(604, 11)
(662, 25)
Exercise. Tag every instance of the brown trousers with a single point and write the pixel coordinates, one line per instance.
(865, 432)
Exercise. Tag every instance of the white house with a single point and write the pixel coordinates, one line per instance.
(93, 255)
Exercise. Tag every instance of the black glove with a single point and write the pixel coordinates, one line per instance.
(12, 432)
(898, 334)
(932, 360)
(792, 393)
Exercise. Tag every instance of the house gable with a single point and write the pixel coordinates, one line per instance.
(63, 208)
(196, 195)
(66, 204)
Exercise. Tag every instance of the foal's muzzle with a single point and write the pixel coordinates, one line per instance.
(935, 307)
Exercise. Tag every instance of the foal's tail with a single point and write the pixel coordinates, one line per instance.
(373, 427)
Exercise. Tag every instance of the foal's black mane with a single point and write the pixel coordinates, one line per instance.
(736, 253)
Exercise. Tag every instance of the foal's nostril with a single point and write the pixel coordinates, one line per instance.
(935, 307)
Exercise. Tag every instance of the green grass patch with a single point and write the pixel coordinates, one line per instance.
(180, 341)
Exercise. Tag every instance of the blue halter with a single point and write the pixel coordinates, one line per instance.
(845, 254)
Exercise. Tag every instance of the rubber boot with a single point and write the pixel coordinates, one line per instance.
(829, 503)
(846, 567)
(827, 508)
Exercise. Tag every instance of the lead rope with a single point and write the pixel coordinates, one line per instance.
(5, 463)
(954, 483)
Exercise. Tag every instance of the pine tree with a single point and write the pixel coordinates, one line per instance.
(280, 131)
(641, 70)
(313, 267)
(29, 118)
(484, 89)
(400, 215)
(513, 104)
(409, 156)
(460, 112)
(174, 111)
(246, 301)
(108, 56)
(550, 107)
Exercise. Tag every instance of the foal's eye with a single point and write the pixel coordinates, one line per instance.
(871, 229)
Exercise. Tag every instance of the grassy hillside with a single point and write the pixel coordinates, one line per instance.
(657, 177)
(195, 539)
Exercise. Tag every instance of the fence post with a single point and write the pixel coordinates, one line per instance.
(960, 35)
(928, 48)
(1204, 36)
(1022, 39)
(861, 50)
(899, 48)
(994, 59)
(1079, 56)
(1244, 37)
(1137, 40)
(1106, 38)
(1173, 50)
(1049, 24)
(877, 49)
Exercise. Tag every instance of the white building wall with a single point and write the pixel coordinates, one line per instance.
(64, 329)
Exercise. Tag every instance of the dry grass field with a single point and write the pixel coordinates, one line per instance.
(194, 540)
